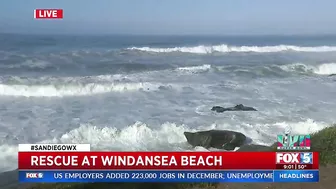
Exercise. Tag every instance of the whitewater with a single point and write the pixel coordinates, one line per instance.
(201, 49)
(141, 93)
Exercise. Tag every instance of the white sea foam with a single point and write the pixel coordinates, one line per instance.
(167, 137)
(46, 80)
(326, 69)
(227, 49)
(8, 157)
(302, 127)
(136, 137)
(90, 85)
(321, 69)
(61, 90)
(195, 69)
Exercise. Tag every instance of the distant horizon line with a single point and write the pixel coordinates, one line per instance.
(173, 35)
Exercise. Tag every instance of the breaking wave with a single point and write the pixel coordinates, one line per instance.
(168, 137)
(91, 85)
(299, 68)
(227, 49)
(322, 69)
(62, 90)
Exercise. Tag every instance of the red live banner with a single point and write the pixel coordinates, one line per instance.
(151, 160)
(48, 13)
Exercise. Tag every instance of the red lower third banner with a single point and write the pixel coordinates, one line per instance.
(167, 160)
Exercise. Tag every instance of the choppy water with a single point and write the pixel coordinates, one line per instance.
(143, 92)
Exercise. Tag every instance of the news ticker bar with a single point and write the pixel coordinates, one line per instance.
(169, 176)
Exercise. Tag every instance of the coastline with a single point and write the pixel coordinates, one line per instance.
(324, 141)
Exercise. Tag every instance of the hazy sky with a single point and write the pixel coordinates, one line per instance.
(219, 17)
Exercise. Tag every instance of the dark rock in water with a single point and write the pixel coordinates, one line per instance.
(254, 148)
(218, 109)
(332, 75)
(238, 107)
(221, 139)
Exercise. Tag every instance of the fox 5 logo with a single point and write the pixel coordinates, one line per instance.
(306, 157)
(34, 175)
(294, 158)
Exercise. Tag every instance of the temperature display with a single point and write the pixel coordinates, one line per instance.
(294, 166)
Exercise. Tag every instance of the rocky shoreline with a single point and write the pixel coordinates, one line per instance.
(323, 141)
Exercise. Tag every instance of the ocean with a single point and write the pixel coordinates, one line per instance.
(140, 93)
